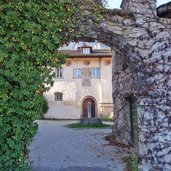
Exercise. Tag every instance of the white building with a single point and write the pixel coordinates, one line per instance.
(82, 86)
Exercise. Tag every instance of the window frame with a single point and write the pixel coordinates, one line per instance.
(86, 50)
(76, 70)
(58, 97)
(95, 73)
(59, 73)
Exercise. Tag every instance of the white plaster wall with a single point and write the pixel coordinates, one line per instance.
(60, 110)
(106, 102)
(106, 82)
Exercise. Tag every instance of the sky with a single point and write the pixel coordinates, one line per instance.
(116, 3)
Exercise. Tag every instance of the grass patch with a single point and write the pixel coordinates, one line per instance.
(81, 126)
(106, 119)
(131, 162)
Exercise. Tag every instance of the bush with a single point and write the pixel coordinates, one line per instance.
(45, 106)
(131, 162)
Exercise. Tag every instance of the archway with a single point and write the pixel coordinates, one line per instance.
(139, 38)
(88, 108)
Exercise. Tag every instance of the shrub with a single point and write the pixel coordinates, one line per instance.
(131, 162)
(45, 106)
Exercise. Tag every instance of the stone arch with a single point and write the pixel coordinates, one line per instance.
(123, 55)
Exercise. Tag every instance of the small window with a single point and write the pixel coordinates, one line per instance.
(58, 96)
(59, 73)
(77, 73)
(86, 51)
(95, 73)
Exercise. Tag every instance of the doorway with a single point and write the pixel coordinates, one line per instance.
(134, 122)
(88, 107)
(132, 119)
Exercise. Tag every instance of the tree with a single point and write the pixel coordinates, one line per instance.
(30, 33)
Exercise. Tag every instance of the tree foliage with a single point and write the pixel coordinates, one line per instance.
(30, 33)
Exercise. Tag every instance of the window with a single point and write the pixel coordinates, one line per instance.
(59, 73)
(58, 96)
(86, 51)
(95, 73)
(89, 109)
(77, 73)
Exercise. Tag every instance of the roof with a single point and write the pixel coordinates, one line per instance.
(94, 54)
(164, 11)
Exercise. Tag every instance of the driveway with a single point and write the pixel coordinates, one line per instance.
(59, 148)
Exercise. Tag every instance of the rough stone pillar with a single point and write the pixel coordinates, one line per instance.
(122, 87)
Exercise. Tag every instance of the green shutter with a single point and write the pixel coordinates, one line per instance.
(134, 122)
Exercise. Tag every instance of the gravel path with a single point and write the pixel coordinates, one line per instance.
(59, 148)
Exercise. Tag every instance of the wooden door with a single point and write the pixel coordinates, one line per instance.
(88, 108)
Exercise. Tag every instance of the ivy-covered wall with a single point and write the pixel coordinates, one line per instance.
(147, 78)
(30, 33)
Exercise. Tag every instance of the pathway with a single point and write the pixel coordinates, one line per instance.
(59, 148)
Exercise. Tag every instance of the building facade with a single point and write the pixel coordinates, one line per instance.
(82, 86)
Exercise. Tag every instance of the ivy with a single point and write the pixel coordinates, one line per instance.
(30, 33)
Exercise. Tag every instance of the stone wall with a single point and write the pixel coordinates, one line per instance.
(148, 79)
(141, 70)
